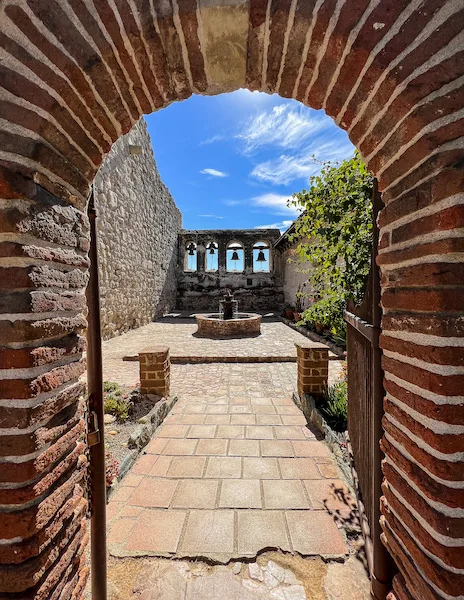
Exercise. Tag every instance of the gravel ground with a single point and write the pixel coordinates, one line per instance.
(117, 433)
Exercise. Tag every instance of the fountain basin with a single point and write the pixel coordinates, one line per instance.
(242, 325)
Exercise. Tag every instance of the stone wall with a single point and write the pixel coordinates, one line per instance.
(295, 275)
(201, 290)
(138, 225)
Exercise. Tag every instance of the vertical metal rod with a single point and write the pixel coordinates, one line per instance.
(95, 390)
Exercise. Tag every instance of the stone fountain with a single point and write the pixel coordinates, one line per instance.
(228, 322)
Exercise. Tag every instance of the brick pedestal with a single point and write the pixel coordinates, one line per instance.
(313, 368)
(155, 370)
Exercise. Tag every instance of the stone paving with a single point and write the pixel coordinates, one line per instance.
(233, 470)
(276, 341)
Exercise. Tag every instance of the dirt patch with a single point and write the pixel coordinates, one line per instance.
(118, 432)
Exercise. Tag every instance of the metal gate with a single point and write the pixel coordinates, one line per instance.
(365, 411)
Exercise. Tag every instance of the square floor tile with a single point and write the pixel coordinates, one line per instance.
(331, 495)
(328, 469)
(209, 532)
(119, 531)
(282, 401)
(289, 432)
(260, 468)
(217, 419)
(276, 448)
(161, 466)
(243, 448)
(242, 419)
(314, 532)
(201, 431)
(268, 420)
(180, 447)
(298, 468)
(259, 432)
(196, 493)
(212, 447)
(153, 493)
(264, 410)
(240, 493)
(156, 446)
(172, 431)
(122, 493)
(310, 448)
(216, 409)
(230, 432)
(156, 531)
(261, 529)
(197, 408)
(188, 419)
(224, 467)
(284, 494)
(186, 466)
(288, 410)
(240, 410)
(144, 464)
(293, 420)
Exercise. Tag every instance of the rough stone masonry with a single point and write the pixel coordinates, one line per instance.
(138, 225)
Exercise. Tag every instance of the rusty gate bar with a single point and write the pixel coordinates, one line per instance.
(365, 411)
(96, 439)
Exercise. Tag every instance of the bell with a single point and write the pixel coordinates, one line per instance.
(234, 255)
(191, 250)
(211, 249)
(261, 257)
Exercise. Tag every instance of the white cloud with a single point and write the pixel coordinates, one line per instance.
(283, 126)
(275, 203)
(231, 202)
(214, 173)
(282, 225)
(212, 140)
(211, 216)
(287, 168)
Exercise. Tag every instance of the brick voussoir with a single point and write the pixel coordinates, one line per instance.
(443, 469)
(444, 413)
(44, 483)
(42, 412)
(413, 579)
(18, 443)
(446, 580)
(28, 522)
(446, 525)
(18, 472)
(27, 331)
(452, 556)
(446, 443)
(432, 489)
(47, 353)
(446, 385)
(17, 552)
(438, 355)
(19, 578)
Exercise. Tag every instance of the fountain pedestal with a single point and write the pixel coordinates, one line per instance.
(228, 322)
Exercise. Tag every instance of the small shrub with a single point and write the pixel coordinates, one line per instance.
(334, 406)
(117, 406)
(112, 387)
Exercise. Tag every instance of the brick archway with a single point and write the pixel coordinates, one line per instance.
(75, 76)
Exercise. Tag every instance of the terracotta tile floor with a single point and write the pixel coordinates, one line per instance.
(233, 470)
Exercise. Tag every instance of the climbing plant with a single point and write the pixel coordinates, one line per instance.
(335, 237)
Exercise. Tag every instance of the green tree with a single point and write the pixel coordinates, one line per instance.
(335, 233)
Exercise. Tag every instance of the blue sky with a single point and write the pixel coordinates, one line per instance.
(232, 161)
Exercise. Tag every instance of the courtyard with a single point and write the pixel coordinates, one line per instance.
(234, 470)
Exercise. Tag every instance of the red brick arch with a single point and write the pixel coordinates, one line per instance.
(77, 74)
